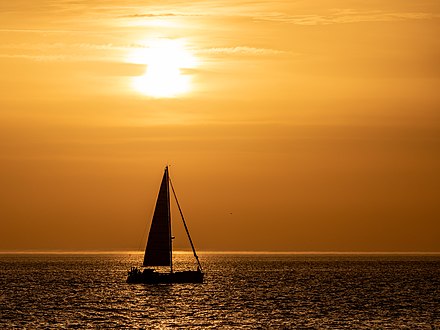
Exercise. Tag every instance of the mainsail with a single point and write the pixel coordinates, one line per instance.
(158, 250)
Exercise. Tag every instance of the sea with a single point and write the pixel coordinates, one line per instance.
(241, 291)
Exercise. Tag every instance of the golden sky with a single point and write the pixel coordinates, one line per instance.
(289, 125)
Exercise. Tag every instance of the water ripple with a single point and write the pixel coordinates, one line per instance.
(241, 291)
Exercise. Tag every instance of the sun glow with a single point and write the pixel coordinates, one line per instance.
(165, 59)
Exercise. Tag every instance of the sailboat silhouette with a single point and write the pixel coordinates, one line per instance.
(159, 251)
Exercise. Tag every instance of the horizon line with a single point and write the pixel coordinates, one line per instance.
(225, 252)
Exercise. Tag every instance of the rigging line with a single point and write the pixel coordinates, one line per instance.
(184, 224)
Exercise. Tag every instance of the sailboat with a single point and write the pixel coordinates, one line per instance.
(159, 251)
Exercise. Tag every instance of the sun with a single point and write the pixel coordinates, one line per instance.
(165, 59)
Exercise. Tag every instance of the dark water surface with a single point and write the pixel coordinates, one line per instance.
(245, 291)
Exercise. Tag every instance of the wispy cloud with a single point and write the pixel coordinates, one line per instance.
(12, 30)
(99, 52)
(49, 52)
(38, 58)
(61, 45)
(159, 14)
(242, 50)
(343, 16)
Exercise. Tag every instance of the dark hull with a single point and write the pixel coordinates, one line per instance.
(149, 276)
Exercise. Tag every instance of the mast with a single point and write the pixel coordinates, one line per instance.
(169, 217)
(186, 228)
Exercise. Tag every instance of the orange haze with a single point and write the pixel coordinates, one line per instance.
(305, 126)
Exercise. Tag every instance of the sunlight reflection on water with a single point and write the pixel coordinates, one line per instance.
(241, 291)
